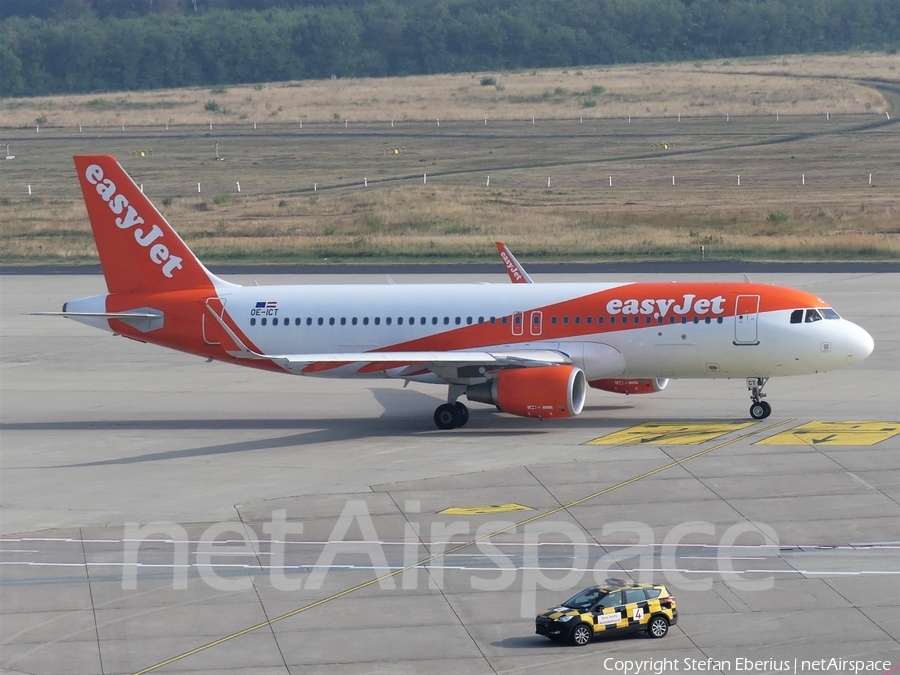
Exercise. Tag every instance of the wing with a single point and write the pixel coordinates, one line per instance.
(516, 272)
(450, 365)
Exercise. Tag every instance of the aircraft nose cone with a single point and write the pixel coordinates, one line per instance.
(859, 344)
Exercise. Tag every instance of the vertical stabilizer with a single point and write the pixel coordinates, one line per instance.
(139, 250)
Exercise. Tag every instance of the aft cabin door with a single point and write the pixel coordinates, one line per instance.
(745, 320)
(212, 331)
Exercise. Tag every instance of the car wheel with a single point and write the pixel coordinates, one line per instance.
(581, 635)
(658, 626)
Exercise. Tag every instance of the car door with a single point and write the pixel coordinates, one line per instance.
(608, 612)
(636, 608)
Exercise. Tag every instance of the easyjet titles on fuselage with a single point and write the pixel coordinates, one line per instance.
(159, 253)
(661, 307)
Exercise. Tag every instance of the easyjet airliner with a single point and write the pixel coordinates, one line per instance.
(529, 349)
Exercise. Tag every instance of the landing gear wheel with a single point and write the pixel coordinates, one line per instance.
(760, 411)
(658, 627)
(581, 635)
(463, 414)
(447, 416)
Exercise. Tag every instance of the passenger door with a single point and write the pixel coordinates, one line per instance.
(745, 315)
(608, 612)
(636, 608)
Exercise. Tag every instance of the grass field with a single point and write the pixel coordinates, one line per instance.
(456, 215)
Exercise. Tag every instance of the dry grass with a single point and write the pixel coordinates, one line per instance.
(278, 216)
(793, 85)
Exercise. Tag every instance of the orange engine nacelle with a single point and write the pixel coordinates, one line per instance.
(631, 386)
(542, 392)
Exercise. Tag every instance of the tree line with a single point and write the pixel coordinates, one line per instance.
(77, 46)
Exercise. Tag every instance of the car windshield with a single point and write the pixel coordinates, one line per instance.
(583, 600)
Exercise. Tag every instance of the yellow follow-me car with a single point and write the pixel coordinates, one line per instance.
(615, 607)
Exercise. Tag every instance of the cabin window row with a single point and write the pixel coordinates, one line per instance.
(354, 321)
(504, 320)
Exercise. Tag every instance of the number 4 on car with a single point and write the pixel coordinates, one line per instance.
(615, 607)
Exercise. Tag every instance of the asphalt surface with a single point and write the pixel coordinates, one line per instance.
(773, 552)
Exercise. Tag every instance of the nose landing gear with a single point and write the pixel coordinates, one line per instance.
(759, 409)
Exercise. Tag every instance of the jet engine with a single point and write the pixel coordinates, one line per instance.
(631, 386)
(542, 392)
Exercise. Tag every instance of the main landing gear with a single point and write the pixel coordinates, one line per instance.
(451, 415)
(759, 409)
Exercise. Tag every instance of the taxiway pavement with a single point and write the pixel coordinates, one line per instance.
(102, 436)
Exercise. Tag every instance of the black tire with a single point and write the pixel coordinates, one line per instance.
(758, 410)
(447, 416)
(463, 414)
(658, 626)
(581, 635)
(767, 407)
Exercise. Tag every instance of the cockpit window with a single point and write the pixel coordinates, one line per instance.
(812, 315)
(797, 316)
(829, 313)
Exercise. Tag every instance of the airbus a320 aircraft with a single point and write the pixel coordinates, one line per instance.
(529, 349)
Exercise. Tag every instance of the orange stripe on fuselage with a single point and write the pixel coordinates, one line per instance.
(183, 324)
(772, 298)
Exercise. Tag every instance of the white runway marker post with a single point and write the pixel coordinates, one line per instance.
(346, 123)
(488, 183)
(123, 127)
(365, 182)
(803, 179)
(485, 121)
(315, 187)
(254, 124)
(198, 188)
(548, 181)
(238, 183)
(29, 190)
(424, 179)
(37, 128)
(739, 180)
(673, 180)
(870, 175)
(610, 181)
(79, 128)
(167, 126)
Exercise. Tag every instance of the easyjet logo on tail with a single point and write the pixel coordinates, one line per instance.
(118, 204)
(661, 307)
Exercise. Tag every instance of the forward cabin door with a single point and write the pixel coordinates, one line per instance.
(746, 313)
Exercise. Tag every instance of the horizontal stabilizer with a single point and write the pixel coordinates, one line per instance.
(144, 320)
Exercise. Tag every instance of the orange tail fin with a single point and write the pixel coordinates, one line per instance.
(139, 250)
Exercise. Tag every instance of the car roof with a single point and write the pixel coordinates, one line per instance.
(613, 585)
